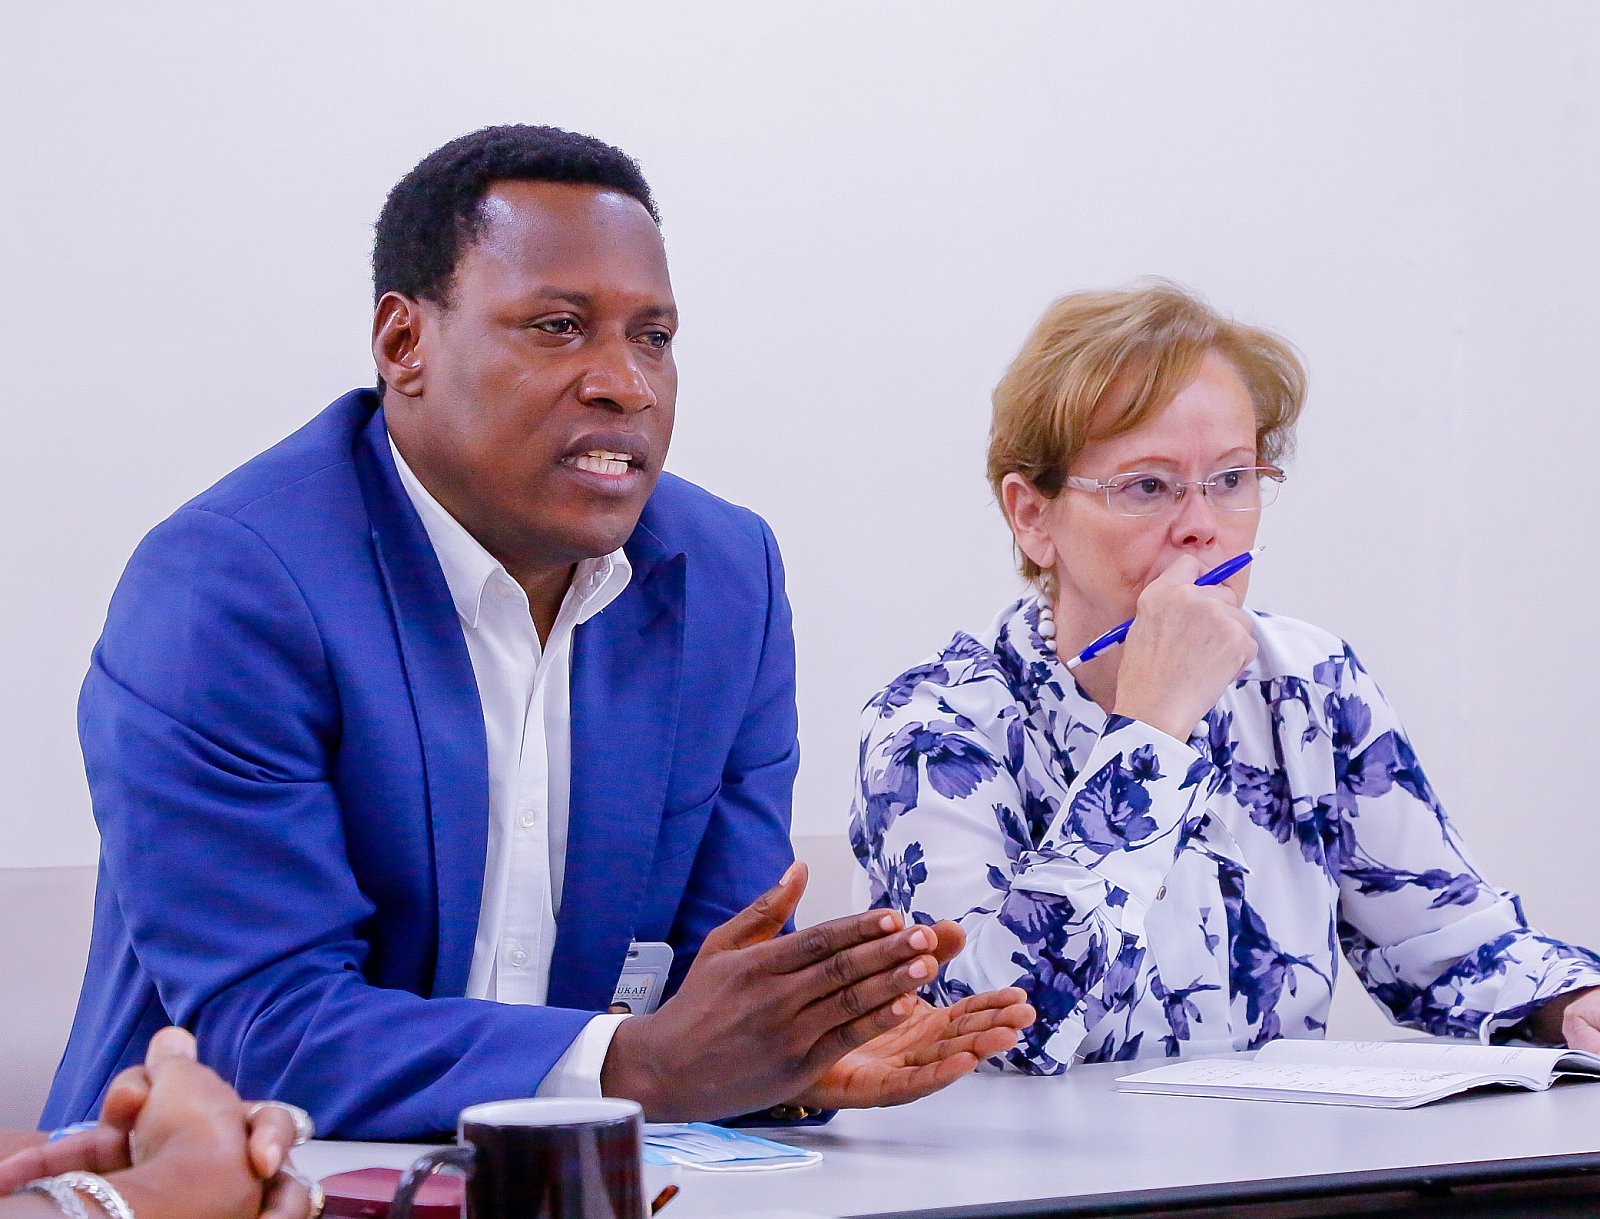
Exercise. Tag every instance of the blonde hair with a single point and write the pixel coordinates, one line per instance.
(1099, 364)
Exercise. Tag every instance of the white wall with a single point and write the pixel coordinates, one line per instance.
(866, 206)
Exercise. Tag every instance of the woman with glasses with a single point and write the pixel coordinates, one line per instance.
(1168, 845)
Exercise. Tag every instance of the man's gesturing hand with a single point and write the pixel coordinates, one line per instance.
(759, 1019)
(931, 1048)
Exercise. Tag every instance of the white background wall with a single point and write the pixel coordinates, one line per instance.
(866, 206)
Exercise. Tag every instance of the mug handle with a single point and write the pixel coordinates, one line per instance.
(456, 1157)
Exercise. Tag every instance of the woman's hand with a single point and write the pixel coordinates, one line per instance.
(1186, 646)
(1572, 1019)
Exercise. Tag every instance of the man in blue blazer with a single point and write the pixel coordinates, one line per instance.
(290, 731)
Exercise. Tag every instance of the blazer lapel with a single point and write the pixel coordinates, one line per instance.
(444, 700)
(625, 686)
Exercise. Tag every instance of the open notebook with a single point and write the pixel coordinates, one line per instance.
(1381, 1074)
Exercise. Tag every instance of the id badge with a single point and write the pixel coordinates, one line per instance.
(644, 978)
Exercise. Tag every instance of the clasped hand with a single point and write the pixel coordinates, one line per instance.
(827, 1016)
(179, 1143)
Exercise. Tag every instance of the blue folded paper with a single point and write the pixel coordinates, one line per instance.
(718, 1149)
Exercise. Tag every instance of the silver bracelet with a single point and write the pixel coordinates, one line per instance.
(62, 1195)
(63, 1190)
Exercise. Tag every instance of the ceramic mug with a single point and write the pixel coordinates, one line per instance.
(541, 1159)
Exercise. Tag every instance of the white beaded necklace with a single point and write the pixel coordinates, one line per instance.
(1047, 623)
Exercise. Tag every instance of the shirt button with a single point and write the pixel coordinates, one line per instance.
(527, 819)
(518, 957)
(1161, 892)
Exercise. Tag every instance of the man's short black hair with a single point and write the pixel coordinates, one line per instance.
(436, 210)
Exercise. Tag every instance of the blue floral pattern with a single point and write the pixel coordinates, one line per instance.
(1156, 896)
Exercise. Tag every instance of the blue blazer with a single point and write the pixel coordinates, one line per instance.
(286, 755)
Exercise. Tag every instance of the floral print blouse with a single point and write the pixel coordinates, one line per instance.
(1156, 896)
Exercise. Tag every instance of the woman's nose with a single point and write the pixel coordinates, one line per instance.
(1195, 522)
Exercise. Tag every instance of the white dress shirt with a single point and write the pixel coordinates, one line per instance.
(525, 689)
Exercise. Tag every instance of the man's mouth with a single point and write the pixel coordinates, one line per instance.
(603, 461)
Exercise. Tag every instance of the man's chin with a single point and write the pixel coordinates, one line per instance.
(574, 529)
(594, 539)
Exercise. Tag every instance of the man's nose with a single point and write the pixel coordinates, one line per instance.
(616, 381)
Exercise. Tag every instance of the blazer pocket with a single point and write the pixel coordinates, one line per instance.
(682, 829)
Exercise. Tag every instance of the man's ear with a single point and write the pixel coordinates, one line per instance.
(1026, 507)
(397, 325)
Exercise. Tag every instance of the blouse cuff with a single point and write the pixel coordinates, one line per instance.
(1136, 803)
(1578, 975)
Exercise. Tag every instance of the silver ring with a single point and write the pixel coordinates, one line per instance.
(304, 1127)
(317, 1200)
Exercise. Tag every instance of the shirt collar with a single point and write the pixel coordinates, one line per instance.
(469, 568)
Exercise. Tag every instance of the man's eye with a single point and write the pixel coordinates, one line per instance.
(557, 325)
(658, 339)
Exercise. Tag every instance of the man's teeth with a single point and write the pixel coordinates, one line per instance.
(598, 461)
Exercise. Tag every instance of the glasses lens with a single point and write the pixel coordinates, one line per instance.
(1236, 490)
(1139, 494)
(1268, 487)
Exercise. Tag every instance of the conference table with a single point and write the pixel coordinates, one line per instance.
(1013, 1146)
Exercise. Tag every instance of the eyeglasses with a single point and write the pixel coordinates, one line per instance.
(1236, 489)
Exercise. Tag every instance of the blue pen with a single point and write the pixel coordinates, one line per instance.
(1117, 634)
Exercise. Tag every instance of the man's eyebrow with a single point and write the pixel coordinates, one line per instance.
(660, 313)
(571, 296)
(580, 299)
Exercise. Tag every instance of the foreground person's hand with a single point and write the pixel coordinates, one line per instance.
(933, 1047)
(100, 1150)
(760, 1017)
(188, 1136)
(175, 1136)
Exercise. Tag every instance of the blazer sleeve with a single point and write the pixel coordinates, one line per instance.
(746, 846)
(210, 722)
